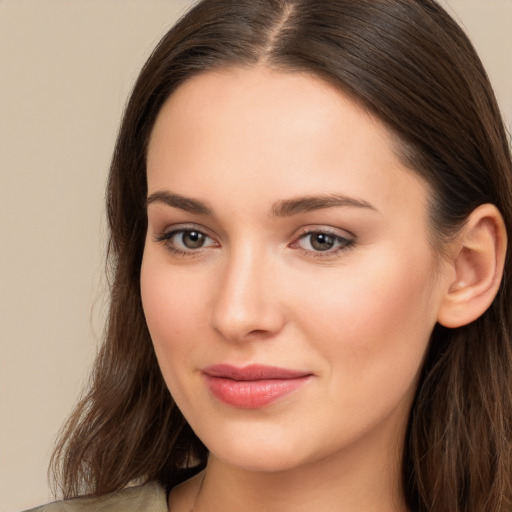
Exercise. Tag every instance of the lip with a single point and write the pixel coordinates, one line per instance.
(253, 386)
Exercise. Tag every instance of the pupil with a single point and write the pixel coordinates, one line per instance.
(193, 239)
(322, 242)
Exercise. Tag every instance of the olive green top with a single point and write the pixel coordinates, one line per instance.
(146, 498)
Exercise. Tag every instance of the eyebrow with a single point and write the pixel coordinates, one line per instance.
(294, 206)
(283, 208)
(176, 201)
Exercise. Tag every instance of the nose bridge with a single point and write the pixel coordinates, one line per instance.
(246, 304)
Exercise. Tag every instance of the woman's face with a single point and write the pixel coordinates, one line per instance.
(288, 281)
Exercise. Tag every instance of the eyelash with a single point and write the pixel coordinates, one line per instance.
(343, 243)
(166, 239)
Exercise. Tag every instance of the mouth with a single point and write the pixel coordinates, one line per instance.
(253, 386)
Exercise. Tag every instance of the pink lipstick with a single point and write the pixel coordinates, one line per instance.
(253, 386)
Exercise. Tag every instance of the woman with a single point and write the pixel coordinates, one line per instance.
(309, 204)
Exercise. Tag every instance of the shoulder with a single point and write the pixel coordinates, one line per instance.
(145, 498)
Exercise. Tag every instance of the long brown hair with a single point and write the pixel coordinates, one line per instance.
(411, 66)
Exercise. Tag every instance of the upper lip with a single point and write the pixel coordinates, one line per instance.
(252, 372)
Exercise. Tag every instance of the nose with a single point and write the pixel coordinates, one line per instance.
(246, 305)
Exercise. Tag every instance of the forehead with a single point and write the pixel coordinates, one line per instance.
(245, 132)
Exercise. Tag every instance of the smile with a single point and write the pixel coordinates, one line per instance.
(253, 386)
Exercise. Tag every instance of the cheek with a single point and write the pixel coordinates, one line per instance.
(173, 305)
(174, 308)
(371, 323)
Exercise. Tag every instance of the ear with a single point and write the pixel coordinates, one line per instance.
(476, 263)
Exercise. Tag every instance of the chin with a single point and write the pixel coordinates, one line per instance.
(260, 460)
(266, 451)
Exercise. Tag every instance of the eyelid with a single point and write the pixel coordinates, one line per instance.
(321, 228)
(187, 226)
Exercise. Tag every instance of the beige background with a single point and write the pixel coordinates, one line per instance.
(66, 67)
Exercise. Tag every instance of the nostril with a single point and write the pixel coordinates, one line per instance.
(260, 333)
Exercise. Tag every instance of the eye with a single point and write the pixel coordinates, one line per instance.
(319, 241)
(189, 239)
(185, 241)
(323, 242)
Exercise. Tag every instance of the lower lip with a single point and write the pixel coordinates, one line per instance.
(252, 394)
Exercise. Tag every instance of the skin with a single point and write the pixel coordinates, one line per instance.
(357, 318)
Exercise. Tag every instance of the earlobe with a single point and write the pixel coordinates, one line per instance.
(477, 264)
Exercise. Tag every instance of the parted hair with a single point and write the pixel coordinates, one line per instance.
(410, 65)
